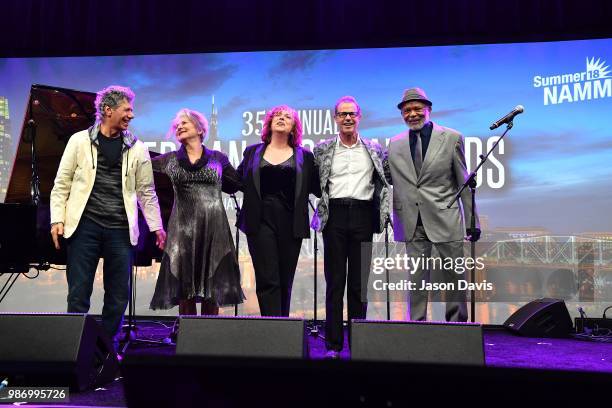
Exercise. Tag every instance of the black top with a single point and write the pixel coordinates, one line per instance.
(105, 205)
(278, 181)
(425, 137)
(110, 148)
(306, 182)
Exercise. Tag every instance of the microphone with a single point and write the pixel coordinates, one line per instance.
(508, 118)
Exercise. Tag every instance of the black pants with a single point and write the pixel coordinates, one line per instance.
(349, 224)
(275, 253)
(89, 242)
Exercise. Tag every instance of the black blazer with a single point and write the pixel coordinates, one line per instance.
(306, 182)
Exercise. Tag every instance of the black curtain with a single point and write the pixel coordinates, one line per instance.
(113, 27)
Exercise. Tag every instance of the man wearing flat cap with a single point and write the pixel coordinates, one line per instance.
(426, 166)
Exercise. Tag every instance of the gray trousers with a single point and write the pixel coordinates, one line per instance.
(456, 305)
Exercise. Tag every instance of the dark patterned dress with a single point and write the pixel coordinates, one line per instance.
(199, 259)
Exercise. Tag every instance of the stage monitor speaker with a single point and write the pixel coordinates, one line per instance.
(241, 337)
(541, 318)
(68, 350)
(417, 342)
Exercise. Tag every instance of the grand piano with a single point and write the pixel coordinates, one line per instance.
(53, 115)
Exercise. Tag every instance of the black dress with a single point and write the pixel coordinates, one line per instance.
(199, 259)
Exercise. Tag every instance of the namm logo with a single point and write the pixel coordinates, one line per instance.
(594, 83)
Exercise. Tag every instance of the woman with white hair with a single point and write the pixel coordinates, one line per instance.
(199, 261)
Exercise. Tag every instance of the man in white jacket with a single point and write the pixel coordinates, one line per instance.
(103, 175)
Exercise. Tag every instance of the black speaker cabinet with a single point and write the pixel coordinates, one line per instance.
(541, 318)
(69, 350)
(241, 337)
(17, 248)
(417, 342)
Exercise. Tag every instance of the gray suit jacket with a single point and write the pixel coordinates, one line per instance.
(442, 174)
(324, 153)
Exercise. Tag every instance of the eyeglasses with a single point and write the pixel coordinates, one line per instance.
(343, 114)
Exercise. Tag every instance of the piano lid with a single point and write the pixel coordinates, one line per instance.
(59, 113)
(56, 114)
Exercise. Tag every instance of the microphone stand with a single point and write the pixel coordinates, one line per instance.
(237, 207)
(130, 329)
(471, 183)
(387, 223)
(35, 182)
(34, 195)
(314, 329)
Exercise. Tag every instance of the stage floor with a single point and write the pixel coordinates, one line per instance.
(502, 349)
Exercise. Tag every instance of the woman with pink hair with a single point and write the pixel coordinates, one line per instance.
(278, 175)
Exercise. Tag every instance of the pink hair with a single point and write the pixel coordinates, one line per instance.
(295, 137)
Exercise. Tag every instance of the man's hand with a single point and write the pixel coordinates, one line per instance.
(57, 230)
(473, 235)
(161, 239)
